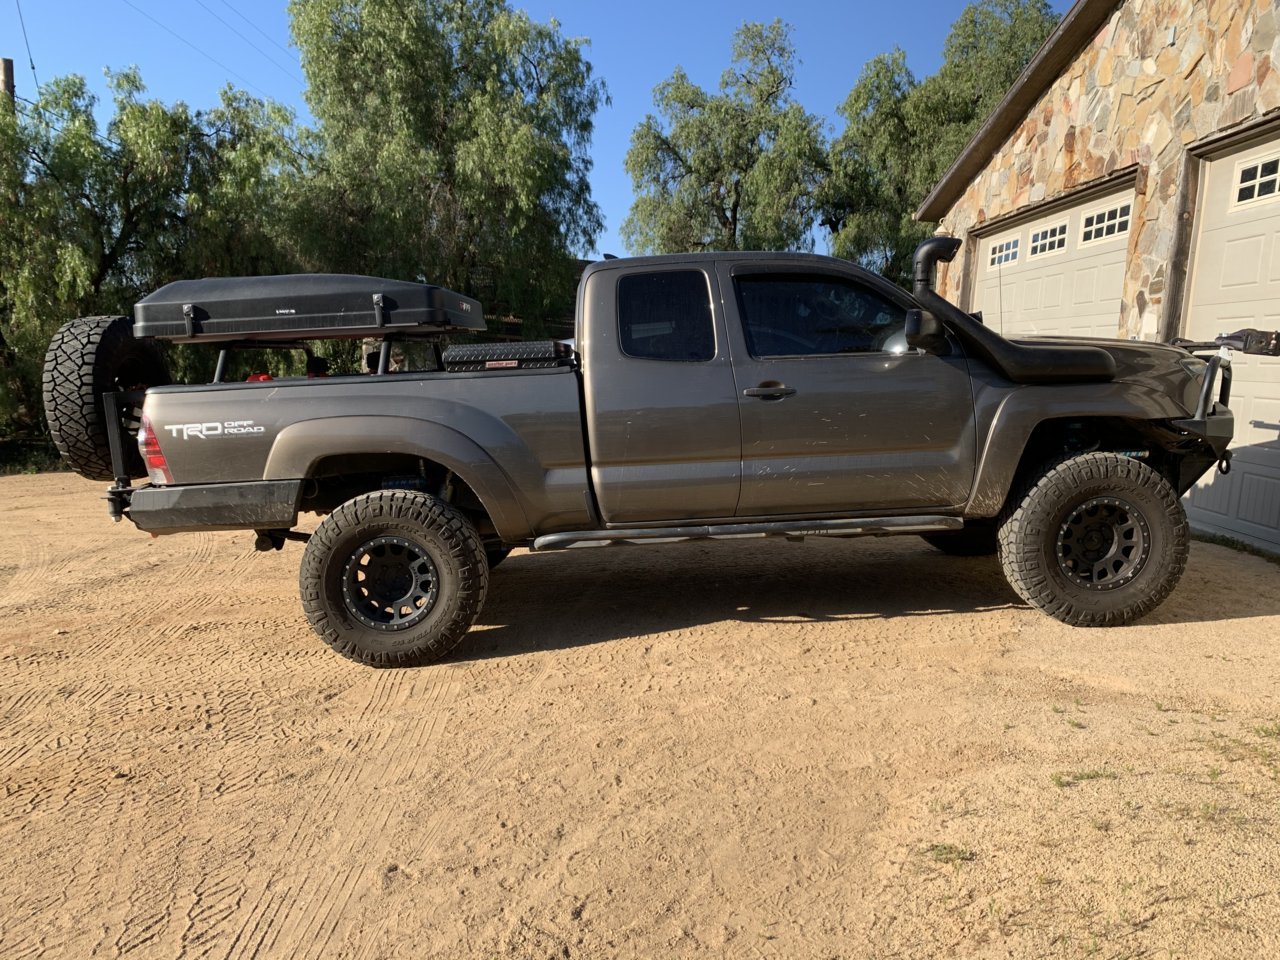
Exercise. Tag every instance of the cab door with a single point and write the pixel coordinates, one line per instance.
(660, 395)
(838, 415)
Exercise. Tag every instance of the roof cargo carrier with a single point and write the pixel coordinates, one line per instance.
(301, 307)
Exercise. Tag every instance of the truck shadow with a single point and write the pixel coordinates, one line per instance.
(587, 596)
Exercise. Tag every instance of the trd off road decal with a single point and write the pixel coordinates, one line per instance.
(206, 431)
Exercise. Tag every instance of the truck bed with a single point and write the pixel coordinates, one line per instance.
(522, 426)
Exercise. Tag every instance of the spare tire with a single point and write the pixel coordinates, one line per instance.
(87, 358)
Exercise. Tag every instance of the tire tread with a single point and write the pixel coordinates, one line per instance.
(463, 542)
(1024, 525)
(72, 383)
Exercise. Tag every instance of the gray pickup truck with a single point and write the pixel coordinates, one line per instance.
(704, 396)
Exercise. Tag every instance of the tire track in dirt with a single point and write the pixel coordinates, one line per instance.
(300, 907)
(177, 606)
(216, 898)
(401, 767)
(143, 892)
(464, 773)
(119, 647)
(30, 576)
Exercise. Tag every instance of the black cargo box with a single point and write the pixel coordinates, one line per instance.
(299, 307)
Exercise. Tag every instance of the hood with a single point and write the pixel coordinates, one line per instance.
(1170, 370)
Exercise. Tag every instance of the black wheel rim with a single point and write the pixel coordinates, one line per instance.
(1103, 543)
(390, 583)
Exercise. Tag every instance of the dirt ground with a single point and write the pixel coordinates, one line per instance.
(855, 749)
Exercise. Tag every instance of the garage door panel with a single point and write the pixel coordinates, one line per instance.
(1084, 286)
(1241, 265)
(1260, 500)
(1043, 279)
(1210, 498)
(1053, 291)
(1111, 279)
(1235, 283)
(1273, 270)
(1247, 508)
(1033, 294)
(1258, 422)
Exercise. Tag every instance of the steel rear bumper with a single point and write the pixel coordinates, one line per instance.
(258, 505)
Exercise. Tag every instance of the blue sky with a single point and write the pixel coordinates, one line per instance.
(633, 47)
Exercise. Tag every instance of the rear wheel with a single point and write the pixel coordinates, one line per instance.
(394, 578)
(1098, 541)
(87, 358)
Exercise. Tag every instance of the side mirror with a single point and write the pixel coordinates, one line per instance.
(924, 330)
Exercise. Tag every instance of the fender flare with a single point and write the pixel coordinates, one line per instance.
(1021, 411)
(300, 446)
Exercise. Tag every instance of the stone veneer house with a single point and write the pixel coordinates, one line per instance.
(1129, 186)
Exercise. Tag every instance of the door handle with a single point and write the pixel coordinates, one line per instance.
(769, 391)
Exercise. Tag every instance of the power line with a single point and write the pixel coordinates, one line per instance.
(270, 59)
(270, 39)
(202, 53)
(30, 59)
(33, 107)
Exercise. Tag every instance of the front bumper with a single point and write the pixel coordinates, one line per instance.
(1213, 420)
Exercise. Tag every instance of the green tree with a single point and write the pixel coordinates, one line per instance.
(451, 145)
(92, 220)
(729, 171)
(901, 135)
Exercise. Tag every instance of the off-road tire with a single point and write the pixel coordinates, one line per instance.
(87, 358)
(1098, 540)
(973, 541)
(417, 524)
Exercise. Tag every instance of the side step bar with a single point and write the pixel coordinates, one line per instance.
(792, 529)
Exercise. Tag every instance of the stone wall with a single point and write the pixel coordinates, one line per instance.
(1131, 97)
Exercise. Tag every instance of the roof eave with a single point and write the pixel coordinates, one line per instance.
(1076, 29)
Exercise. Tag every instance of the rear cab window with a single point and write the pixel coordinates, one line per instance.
(666, 316)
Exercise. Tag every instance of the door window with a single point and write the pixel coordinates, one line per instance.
(789, 316)
(666, 316)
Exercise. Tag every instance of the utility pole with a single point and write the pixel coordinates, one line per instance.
(6, 71)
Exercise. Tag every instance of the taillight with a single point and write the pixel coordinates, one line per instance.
(157, 467)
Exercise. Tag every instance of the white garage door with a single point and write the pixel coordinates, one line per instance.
(1235, 283)
(1060, 275)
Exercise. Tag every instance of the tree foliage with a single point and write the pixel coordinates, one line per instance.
(92, 220)
(901, 134)
(729, 171)
(452, 145)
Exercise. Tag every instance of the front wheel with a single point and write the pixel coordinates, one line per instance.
(1098, 541)
(394, 578)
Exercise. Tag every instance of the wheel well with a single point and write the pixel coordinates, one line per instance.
(1054, 440)
(334, 480)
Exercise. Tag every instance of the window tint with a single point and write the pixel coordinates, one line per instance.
(666, 316)
(801, 316)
